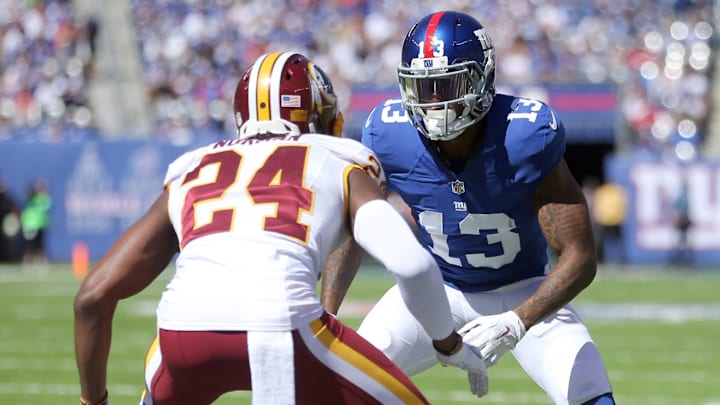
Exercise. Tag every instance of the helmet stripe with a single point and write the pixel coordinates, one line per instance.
(276, 79)
(253, 88)
(428, 49)
(263, 86)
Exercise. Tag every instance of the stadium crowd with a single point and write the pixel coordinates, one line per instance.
(656, 54)
(46, 60)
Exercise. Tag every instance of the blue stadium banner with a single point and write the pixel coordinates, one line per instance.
(588, 111)
(653, 185)
(98, 188)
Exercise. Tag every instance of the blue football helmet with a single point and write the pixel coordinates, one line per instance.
(447, 74)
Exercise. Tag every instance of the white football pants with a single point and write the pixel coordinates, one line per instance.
(558, 353)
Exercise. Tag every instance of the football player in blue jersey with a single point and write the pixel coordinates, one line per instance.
(485, 180)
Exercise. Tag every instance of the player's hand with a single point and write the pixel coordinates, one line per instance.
(468, 358)
(494, 335)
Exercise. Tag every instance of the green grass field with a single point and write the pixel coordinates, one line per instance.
(657, 331)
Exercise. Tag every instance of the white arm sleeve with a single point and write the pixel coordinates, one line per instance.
(385, 235)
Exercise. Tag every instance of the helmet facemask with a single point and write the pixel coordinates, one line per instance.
(325, 117)
(443, 100)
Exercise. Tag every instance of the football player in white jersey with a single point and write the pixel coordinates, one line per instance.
(253, 220)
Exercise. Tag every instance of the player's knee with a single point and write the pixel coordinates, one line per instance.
(605, 399)
(378, 337)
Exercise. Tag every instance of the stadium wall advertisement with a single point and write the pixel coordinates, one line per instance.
(649, 234)
(99, 188)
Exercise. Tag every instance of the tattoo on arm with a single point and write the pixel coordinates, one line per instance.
(340, 270)
(562, 211)
(564, 219)
(563, 224)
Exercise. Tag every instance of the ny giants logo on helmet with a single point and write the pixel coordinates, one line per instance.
(484, 39)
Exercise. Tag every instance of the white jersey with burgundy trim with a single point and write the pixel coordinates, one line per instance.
(256, 220)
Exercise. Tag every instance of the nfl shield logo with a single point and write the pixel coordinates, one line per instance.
(458, 187)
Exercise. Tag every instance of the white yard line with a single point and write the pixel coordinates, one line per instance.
(601, 312)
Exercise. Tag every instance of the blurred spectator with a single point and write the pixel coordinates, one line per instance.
(92, 26)
(609, 210)
(9, 225)
(590, 185)
(682, 224)
(35, 220)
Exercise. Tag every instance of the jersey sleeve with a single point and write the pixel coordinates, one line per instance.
(354, 153)
(368, 130)
(394, 140)
(375, 137)
(185, 163)
(537, 146)
(180, 166)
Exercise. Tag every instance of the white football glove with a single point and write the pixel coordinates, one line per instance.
(468, 358)
(494, 335)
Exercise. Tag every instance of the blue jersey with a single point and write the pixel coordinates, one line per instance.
(479, 223)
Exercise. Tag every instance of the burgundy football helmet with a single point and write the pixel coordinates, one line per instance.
(285, 93)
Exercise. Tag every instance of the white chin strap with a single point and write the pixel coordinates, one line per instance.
(437, 121)
(253, 128)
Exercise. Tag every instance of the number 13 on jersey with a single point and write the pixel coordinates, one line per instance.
(500, 228)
